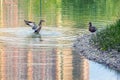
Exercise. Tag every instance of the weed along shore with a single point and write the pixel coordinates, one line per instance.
(102, 46)
(109, 58)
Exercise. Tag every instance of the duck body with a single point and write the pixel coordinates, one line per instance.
(37, 30)
(92, 28)
(35, 27)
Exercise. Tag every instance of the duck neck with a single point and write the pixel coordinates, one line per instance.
(40, 23)
(90, 25)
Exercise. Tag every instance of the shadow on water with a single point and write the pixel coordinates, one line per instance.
(35, 36)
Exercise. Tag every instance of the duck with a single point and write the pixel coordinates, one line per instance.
(35, 27)
(92, 28)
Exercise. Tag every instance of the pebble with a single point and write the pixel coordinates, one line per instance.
(83, 47)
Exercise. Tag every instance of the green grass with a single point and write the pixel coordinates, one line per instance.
(108, 38)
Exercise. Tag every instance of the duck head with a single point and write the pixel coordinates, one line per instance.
(90, 24)
(41, 22)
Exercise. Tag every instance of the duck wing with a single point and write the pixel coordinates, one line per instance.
(93, 29)
(31, 24)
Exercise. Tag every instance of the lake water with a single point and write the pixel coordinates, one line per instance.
(49, 55)
(25, 55)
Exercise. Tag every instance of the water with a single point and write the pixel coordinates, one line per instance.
(45, 56)
(49, 55)
(25, 55)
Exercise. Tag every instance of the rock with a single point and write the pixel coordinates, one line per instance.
(83, 47)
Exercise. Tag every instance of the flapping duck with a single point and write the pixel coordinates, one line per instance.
(35, 27)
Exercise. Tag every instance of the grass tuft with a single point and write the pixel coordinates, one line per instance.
(108, 38)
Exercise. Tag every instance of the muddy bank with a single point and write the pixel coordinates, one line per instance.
(84, 48)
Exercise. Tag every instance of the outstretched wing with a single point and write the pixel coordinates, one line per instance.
(31, 24)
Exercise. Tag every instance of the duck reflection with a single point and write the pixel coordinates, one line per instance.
(35, 37)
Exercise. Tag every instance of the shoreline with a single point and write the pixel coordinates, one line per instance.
(109, 58)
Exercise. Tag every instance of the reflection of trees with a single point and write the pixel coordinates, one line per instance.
(9, 12)
(30, 9)
(70, 66)
(65, 68)
(82, 11)
(76, 66)
(58, 14)
(80, 67)
(70, 12)
(1, 13)
(29, 63)
(2, 64)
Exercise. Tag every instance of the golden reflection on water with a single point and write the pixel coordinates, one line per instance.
(64, 64)
(84, 69)
(29, 65)
(43, 64)
(15, 66)
(2, 65)
(9, 13)
(36, 63)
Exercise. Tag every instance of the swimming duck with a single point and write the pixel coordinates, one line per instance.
(92, 28)
(35, 27)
